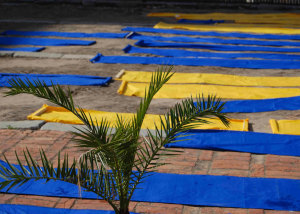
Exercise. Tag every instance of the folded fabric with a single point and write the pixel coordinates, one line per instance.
(285, 126)
(210, 21)
(184, 53)
(42, 41)
(28, 209)
(252, 142)
(238, 28)
(61, 115)
(179, 91)
(150, 43)
(209, 78)
(197, 190)
(24, 49)
(64, 34)
(186, 39)
(252, 106)
(212, 33)
(230, 63)
(61, 79)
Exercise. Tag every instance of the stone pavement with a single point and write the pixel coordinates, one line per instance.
(190, 161)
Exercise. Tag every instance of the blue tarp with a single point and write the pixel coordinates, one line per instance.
(28, 209)
(253, 142)
(231, 63)
(42, 41)
(185, 39)
(212, 33)
(64, 34)
(210, 21)
(185, 53)
(197, 190)
(61, 79)
(150, 43)
(253, 106)
(25, 49)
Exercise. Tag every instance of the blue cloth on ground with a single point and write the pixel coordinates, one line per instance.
(25, 49)
(185, 53)
(61, 79)
(210, 21)
(253, 106)
(65, 34)
(253, 142)
(212, 33)
(150, 43)
(28, 209)
(231, 63)
(42, 41)
(198, 190)
(185, 39)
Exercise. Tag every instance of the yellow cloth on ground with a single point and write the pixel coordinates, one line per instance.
(265, 18)
(179, 91)
(61, 115)
(231, 28)
(285, 126)
(218, 79)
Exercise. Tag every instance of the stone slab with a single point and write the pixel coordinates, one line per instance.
(77, 56)
(6, 53)
(26, 124)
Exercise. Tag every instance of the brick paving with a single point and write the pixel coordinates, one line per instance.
(190, 161)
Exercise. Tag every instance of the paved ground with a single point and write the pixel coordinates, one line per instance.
(89, 19)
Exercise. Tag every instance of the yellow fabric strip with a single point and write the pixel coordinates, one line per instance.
(218, 79)
(285, 126)
(61, 115)
(179, 91)
(265, 18)
(230, 28)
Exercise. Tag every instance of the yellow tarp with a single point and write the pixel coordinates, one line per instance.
(266, 18)
(61, 115)
(218, 79)
(285, 126)
(179, 91)
(231, 28)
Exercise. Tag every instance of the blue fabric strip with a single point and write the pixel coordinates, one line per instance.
(198, 190)
(253, 106)
(212, 33)
(210, 21)
(62, 79)
(253, 142)
(25, 49)
(150, 43)
(185, 53)
(185, 39)
(231, 63)
(42, 41)
(28, 209)
(64, 34)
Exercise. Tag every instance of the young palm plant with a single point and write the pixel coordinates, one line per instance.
(116, 162)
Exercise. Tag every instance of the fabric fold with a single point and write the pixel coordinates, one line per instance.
(213, 33)
(215, 47)
(179, 91)
(50, 79)
(234, 63)
(212, 78)
(187, 39)
(197, 190)
(285, 126)
(24, 49)
(252, 142)
(231, 28)
(61, 115)
(42, 41)
(171, 52)
(64, 34)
